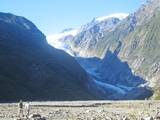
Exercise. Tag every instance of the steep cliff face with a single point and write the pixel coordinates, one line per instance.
(133, 44)
(136, 41)
(114, 79)
(30, 69)
(87, 42)
(111, 36)
(141, 47)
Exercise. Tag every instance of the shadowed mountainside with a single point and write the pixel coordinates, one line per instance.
(30, 69)
(113, 79)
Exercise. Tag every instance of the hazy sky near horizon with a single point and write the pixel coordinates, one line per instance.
(52, 16)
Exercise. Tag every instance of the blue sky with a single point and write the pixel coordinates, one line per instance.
(52, 16)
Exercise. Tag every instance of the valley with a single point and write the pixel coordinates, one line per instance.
(120, 53)
(114, 57)
(86, 110)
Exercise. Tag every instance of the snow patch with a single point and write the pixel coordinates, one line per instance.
(120, 16)
(55, 41)
(57, 36)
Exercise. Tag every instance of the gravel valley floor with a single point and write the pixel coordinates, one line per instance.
(87, 110)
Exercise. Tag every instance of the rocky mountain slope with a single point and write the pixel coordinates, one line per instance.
(113, 79)
(127, 53)
(84, 41)
(136, 41)
(140, 48)
(30, 69)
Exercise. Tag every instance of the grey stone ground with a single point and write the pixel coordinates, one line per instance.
(89, 110)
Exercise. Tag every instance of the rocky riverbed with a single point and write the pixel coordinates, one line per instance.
(86, 110)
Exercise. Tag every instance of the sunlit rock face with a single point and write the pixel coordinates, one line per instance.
(98, 47)
(133, 40)
(84, 41)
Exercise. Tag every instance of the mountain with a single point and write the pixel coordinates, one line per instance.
(113, 79)
(134, 41)
(63, 40)
(30, 69)
(124, 54)
(84, 40)
(140, 48)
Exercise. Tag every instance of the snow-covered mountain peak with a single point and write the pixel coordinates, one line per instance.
(85, 35)
(59, 40)
(120, 16)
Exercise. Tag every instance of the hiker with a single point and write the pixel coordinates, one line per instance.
(20, 109)
(27, 109)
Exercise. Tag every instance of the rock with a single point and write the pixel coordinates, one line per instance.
(147, 118)
(36, 117)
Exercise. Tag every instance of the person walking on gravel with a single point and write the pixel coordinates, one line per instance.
(20, 109)
(27, 109)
